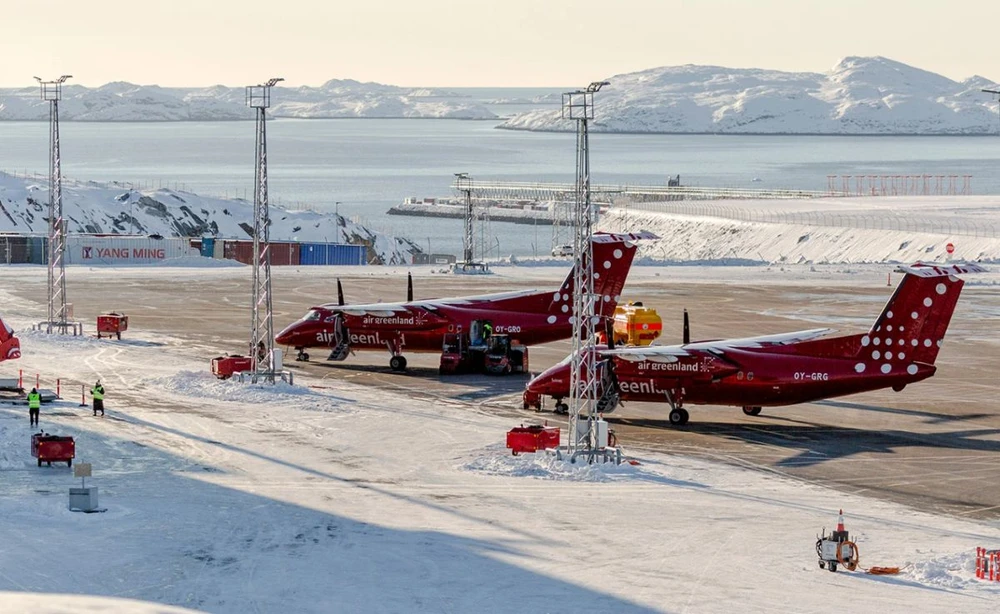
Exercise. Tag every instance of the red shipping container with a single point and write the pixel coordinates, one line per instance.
(282, 254)
(532, 438)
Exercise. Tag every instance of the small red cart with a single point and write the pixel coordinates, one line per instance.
(112, 324)
(532, 438)
(53, 448)
(223, 367)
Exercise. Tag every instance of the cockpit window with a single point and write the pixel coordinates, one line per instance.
(312, 316)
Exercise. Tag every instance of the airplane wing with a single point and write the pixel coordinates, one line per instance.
(383, 310)
(670, 353)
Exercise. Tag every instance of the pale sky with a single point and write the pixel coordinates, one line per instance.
(477, 43)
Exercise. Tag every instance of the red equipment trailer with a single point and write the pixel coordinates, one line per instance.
(223, 367)
(53, 448)
(532, 438)
(112, 324)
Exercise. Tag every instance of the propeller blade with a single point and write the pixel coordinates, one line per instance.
(609, 331)
(687, 328)
(409, 288)
(340, 293)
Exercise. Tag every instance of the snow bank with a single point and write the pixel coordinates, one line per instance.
(497, 460)
(860, 95)
(204, 385)
(706, 239)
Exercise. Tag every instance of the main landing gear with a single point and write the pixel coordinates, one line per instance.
(751, 410)
(397, 363)
(561, 408)
(301, 356)
(678, 415)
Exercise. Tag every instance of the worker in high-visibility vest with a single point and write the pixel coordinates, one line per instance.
(34, 406)
(98, 393)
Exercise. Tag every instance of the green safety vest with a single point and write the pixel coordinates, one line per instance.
(34, 400)
(98, 393)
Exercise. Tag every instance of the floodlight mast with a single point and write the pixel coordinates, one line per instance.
(464, 184)
(58, 318)
(262, 318)
(996, 93)
(579, 106)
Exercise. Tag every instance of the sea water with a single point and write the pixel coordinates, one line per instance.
(368, 165)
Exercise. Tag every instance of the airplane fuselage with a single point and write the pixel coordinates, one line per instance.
(759, 378)
(420, 330)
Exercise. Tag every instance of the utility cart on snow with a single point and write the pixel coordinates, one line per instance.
(53, 449)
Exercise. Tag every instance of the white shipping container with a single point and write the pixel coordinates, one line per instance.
(83, 249)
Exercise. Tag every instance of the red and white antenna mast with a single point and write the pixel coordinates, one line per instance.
(265, 365)
(58, 314)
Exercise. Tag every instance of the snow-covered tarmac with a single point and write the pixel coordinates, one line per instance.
(230, 498)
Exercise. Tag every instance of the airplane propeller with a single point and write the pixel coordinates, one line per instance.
(409, 288)
(340, 293)
(687, 328)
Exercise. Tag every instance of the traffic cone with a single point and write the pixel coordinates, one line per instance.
(840, 534)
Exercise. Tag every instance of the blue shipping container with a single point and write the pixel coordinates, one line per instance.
(208, 247)
(39, 250)
(332, 253)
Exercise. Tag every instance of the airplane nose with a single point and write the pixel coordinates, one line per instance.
(285, 336)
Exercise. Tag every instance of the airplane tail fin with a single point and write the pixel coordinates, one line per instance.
(914, 321)
(613, 254)
(10, 347)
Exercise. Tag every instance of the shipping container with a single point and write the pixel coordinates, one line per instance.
(14, 250)
(240, 251)
(282, 254)
(285, 254)
(95, 250)
(207, 246)
(332, 253)
(39, 247)
(219, 251)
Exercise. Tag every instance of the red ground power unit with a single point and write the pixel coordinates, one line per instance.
(112, 324)
(52, 448)
(223, 367)
(532, 438)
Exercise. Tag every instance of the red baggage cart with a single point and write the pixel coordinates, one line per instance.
(223, 367)
(112, 324)
(53, 448)
(532, 438)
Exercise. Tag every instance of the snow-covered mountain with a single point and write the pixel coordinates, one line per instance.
(91, 207)
(860, 95)
(122, 101)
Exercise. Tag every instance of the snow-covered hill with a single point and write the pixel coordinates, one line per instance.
(91, 207)
(122, 101)
(860, 95)
(816, 231)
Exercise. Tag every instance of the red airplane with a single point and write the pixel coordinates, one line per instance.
(782, 369)
(421, 326)
(10, 347)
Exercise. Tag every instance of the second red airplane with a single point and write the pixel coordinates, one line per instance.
(784, 369)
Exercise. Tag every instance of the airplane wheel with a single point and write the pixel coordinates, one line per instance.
(397, 363)
(561, 408)
(679, 416)
(751, 410)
